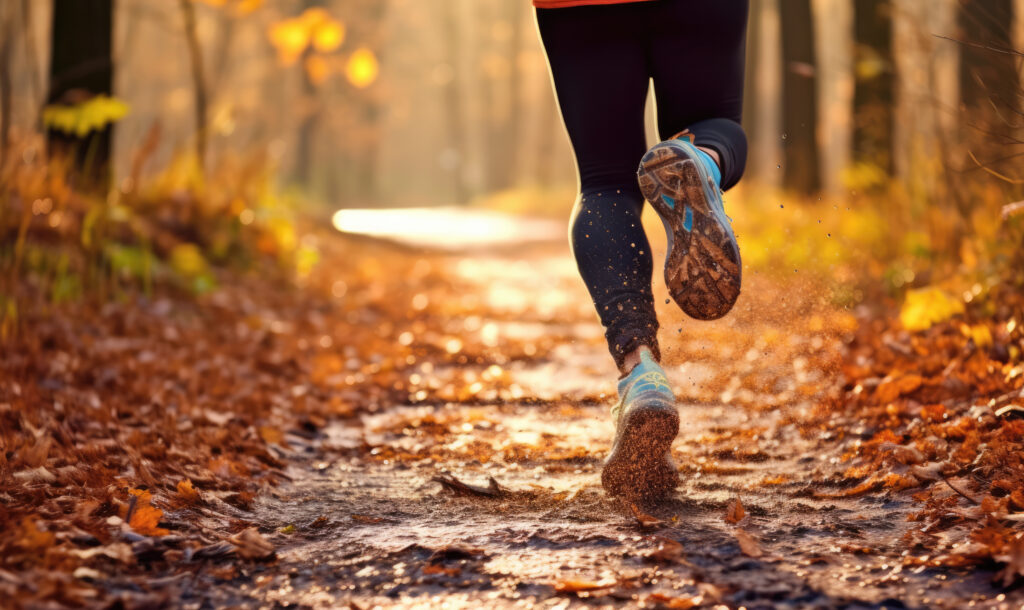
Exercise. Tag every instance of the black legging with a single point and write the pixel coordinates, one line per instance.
(602, 58)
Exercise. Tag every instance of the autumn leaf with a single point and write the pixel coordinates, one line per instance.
(250, 544)
(748, 544)
(577, 586)
(668, 601)
(734, 512)
(32, 537)
(668, 550)
(271, 435)
(926, 307)
(1014, 560)
(187, 492)
(145, 517)
(892, 388)
(362, 68)
(644, 519)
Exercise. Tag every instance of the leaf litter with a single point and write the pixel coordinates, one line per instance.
(206, 447)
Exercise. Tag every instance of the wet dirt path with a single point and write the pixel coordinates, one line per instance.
(366, 523)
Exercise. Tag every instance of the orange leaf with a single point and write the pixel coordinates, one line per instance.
(891, 389)
(734, 513)
(33, 538)
(145, 517)
(271, 435)
(576, 586)
(187, 492)
(643, 518)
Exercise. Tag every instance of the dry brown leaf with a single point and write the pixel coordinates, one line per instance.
(250, 544)
(667, 601)
(668, 550)
(367, 519)
(734, 512)
(892, 388)
(748, 544)
(576, 586)
(437, 568)
(118, 551)
(493, 489)
(643, 518)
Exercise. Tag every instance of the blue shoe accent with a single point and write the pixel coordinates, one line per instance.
(710, 165)
(688, 221)
(648, 376)
(669, 201)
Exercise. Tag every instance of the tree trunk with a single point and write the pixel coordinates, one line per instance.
(873, 96)
(834, 29)
(454, 112)
(81, 67)
(195, 53)
(310, 117)
(800, 107)
(6, 46)
(513, 124)
(990, 84)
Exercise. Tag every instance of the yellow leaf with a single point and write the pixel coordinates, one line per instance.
(980, 333)
(928, 306)
(328, 36)
(362, 68)
(81, 119)
(187, 260)
(290, 37)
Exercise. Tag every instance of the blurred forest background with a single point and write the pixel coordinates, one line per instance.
(405, 102)
(240, 112)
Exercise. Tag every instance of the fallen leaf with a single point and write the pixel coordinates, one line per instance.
(33, 538)
(142, 516)
(450, 483)
(748, 544)
(250, 544)
(734, 512)
(668, 551)
(892, 388)
(271, 435)
(1014, 560)
(643, 518)
(187, 492)
(437, 568)
(118, 551)
(368, 519)
(667, 601)
(577, 586)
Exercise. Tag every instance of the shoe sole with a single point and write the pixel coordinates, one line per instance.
(638, 467)
(702, 268)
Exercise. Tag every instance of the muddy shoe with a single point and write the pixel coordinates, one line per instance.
(640, 465)
(702, 268)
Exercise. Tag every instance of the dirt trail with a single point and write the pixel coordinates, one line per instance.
(365, 521)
